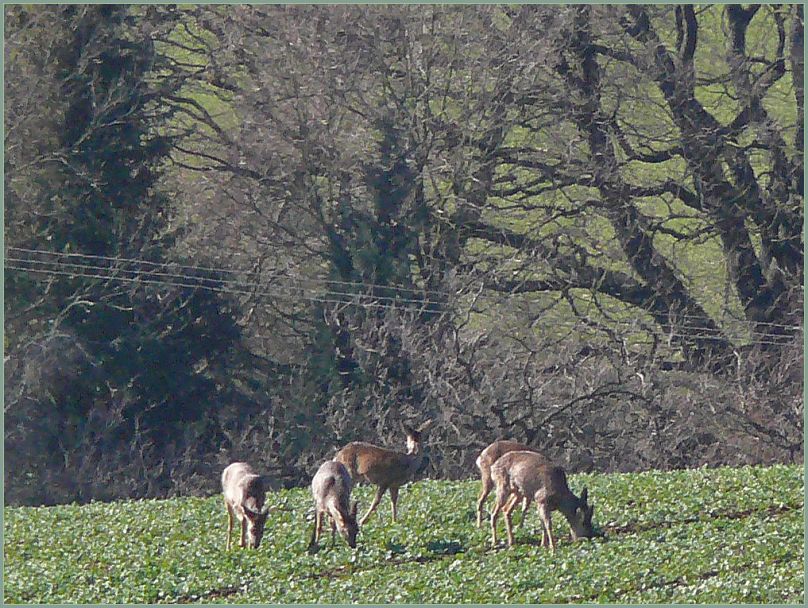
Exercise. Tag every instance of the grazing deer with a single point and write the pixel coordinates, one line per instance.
(485, 461)
(244, 496)
(331, 488)
(387, 469)
(521, 474)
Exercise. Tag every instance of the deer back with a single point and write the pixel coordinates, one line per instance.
(496, 450)
(521, 472)
(331, 486)
(380, 466)
(243, 487)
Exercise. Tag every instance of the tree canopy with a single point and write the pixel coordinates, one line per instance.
(262, 231)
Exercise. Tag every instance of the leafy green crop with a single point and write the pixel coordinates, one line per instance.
(706, 535)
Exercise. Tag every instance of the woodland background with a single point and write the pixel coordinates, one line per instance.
(259, 232)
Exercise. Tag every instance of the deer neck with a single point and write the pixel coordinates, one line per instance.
(415, 456)
(337, 510)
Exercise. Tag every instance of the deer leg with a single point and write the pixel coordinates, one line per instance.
(525, 505)
(544, 539)
(508, 509)
(374, 504)
(244, 531)
(394, 500)
(484, 492)
(315, 536)
(318, 526)
(547, 522)
(229, 523)
(501, 499)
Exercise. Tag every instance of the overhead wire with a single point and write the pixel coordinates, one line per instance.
(317, 281)
(230, 290)
(202, 281)
(371, 304)
(295, 291)
(417, 290)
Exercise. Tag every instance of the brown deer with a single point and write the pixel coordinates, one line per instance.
(331, 488)
(485, 461)
(387, 469)
(521, 474)
(244, 496)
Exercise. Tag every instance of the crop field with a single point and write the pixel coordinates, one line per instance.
(706, 535)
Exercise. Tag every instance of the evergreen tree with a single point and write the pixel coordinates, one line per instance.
(120, 372)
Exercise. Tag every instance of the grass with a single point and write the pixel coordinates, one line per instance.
(707, 535)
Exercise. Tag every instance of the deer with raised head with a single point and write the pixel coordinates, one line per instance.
(244, 496)
(387, 469)
(521, 474)
(331, 488)
(485, 461)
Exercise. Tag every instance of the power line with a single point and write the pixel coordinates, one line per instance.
(236, 291)
(416, 290)
(247, 287)
(218, 284)
(222, 285)
(241, 287)
(78, 270)
(318, 282)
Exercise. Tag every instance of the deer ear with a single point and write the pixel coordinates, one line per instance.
(584, 496)
(250, 513)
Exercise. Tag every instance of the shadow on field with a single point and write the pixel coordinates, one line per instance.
(445, 547)
(634, 527)
(438, 549)
(213, 594)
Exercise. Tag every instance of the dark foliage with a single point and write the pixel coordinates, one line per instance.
(576, 226)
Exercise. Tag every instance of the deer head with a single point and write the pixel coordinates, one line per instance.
(581, 520)
(414, 436)
(256, 520)
(348, 527)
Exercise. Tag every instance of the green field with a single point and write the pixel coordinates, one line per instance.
(707, 535)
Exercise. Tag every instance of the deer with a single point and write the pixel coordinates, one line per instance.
(244, 496)
(485, 461)
(387, 469)
(521, 474)
(331, 488)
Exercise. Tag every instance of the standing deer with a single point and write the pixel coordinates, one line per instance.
(485, 461)
(387, 469)
(331, 488)
(521, 474)
(244, 496)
